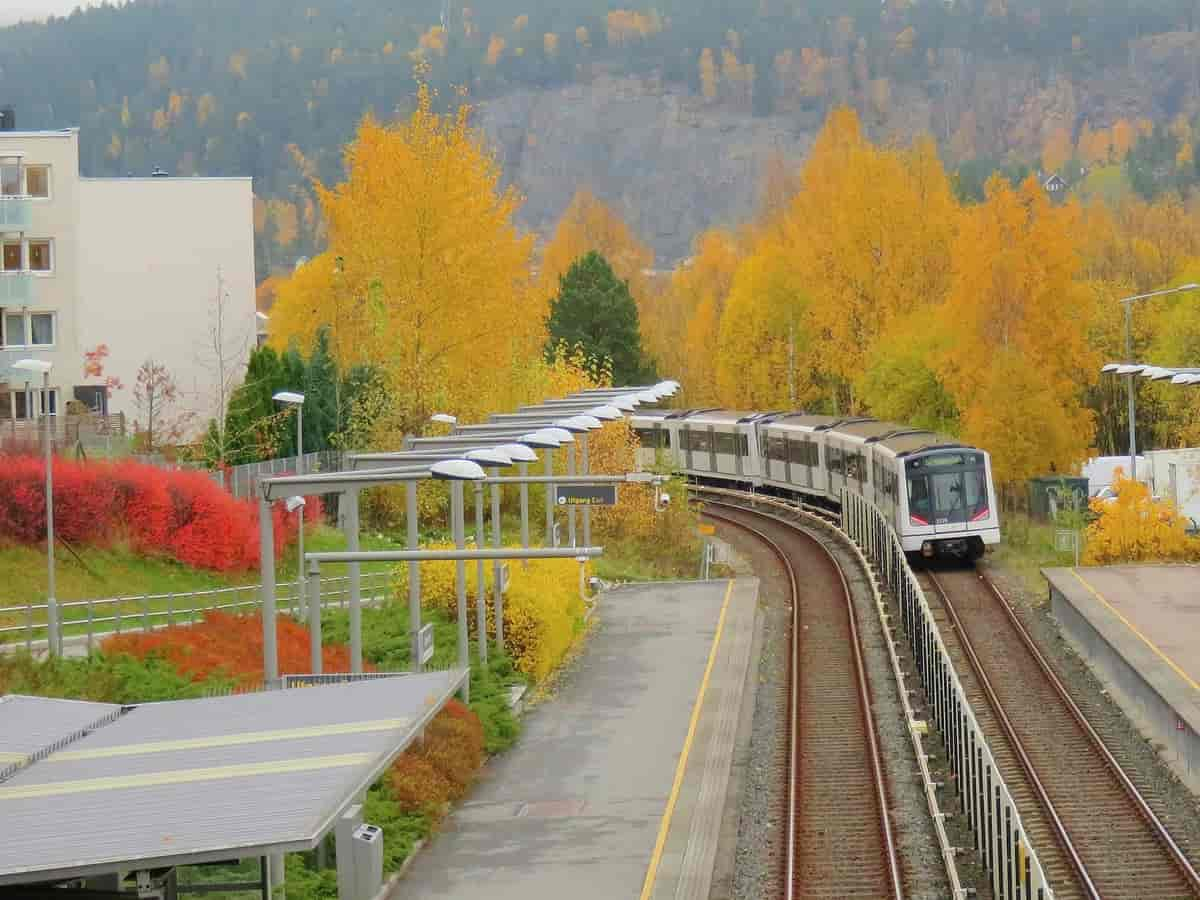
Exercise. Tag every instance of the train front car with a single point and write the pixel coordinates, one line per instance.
(949, 505)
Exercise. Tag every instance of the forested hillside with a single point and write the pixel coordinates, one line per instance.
(274, 88)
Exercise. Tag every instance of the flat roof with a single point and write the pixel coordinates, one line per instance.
(191, 781)
(1151, 613)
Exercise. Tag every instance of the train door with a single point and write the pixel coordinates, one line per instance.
(783, 447)
(712, 449)
(685, 446)
(835, 459)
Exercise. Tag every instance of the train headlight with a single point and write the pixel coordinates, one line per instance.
(927, 549)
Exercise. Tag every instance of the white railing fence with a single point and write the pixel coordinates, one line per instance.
(983, 798)
(86, 622)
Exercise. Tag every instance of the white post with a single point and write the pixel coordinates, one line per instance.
(571, 510)
(414, 577)
(497, 595)
(480, 588)
(266, 531)
(550, 499)
(524, 470)
(350, 498)
(587, 513)
(314, 617)
(54, 637)
(457, 515)
(300, 593)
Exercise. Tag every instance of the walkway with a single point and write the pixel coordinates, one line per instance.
(576, 809)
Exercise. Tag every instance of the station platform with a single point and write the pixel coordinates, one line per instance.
(618, 786)
(1138, 627)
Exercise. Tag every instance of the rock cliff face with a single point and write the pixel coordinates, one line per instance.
(673, 165)
(668, 165)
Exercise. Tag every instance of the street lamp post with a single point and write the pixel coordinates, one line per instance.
(53, 635)
(293, 399)
(1128, 302)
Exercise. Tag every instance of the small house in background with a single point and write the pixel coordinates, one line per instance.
(1054, 185)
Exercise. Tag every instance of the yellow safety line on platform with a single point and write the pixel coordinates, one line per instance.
(230, 740)
(13, 757)
(1145, 640)
(665, 826)
(183, 776)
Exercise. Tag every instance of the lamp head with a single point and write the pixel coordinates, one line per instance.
(291, 398)
(624, 404)
(605, 413)
(518, 452)
(489, 456)
(294, 503)
(541, 439)
(40, 366)
(444, 419)
(457, 470)
(562, 435)
(647, 396)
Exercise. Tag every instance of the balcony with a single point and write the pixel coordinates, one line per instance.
(16, 213)
(16, 289)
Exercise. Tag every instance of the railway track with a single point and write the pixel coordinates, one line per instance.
(1095, 834)
(839, 841)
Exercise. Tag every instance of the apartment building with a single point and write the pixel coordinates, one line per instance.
(155, 268)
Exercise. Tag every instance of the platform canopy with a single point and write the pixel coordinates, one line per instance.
(93, 788)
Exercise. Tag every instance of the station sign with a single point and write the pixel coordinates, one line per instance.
(425, 643)
(586, 495)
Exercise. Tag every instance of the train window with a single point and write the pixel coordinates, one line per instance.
(799, 452)
(777, 447)
(699, 441)
(645, 436)
(664, 438)
(743, 445)
(833, 458)
(725, 442)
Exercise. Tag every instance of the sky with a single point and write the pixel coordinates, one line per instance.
(14, 10)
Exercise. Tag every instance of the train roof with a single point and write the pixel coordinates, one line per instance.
(719, 416)
(806, 422)
(650, 416)
(906, 443)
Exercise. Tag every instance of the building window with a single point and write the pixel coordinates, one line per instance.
(39, 256)
(41, 328)
(29, 330)
(14, 330)
(10, 180)
(37, 181)
(12, 257)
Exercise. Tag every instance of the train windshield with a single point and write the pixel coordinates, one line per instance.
(947, 488)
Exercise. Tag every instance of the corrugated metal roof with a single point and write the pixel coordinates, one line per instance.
(196, 780)
(29, 724)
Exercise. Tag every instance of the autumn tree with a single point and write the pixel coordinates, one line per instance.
(595, 312)
(764, 344)
(590, 224)
(1020, 359)
(156, 395)
(683, 323)
(1057, 149)
(222, 355)
(426, 278)
(871, 232)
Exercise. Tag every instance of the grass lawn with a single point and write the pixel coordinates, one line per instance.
(94, 573)
(1026, 547)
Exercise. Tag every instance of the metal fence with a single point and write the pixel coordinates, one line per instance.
(242, 481)
(983, 797)
(86, 621)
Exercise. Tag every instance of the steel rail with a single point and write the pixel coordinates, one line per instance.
(1143, 807)
(1058, 826)
(889, 842)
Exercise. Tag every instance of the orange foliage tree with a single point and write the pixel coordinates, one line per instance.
(420, 227)
(1136, 528)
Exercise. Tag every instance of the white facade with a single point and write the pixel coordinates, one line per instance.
(131, 263)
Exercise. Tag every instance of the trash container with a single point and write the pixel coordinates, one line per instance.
(367, 842)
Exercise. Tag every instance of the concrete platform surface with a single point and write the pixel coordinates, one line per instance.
(580, 808)
(1139, 628)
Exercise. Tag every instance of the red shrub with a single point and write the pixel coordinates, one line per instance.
(228, 645)
(185, 514)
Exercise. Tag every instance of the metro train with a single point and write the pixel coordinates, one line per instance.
(937, 493)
